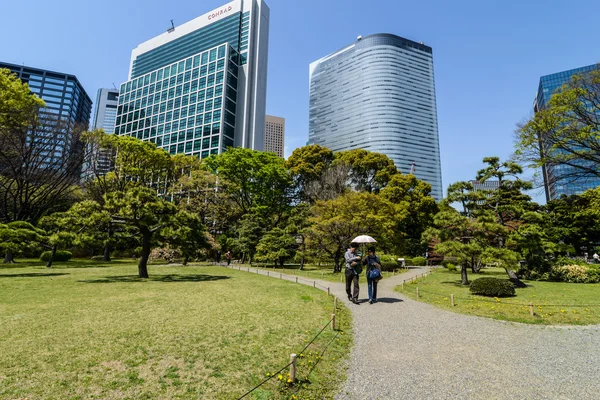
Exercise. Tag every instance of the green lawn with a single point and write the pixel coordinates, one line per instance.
(311, 272)
(93, 330)
(554, 303)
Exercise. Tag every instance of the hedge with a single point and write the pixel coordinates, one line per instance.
(60, 255)
(492, 287)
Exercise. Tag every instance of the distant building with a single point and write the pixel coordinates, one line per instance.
(485, 186)
(378, 94)
(104, 117)
(64, 96)
(554, 185)
(67, 104)
(201, 87)
(275, 134)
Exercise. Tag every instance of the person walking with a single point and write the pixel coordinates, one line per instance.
(228, 256)
(373, 264)
(353, 270)
(218, 256)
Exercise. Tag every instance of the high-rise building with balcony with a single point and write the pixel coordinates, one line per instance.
(275, 134)
(201, 87)
(378, 94)
(556, 182)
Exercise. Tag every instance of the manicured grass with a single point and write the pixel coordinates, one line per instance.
(93, 330)
(311, 272)
(554, 303)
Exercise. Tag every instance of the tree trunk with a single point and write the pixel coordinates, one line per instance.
(143, 264)
(49, 264)
(512, 276)
(9, 258)
(185, 260)
(336, 267)
(463, 275)
(107, 246)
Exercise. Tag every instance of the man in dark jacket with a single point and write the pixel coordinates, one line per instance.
(352, 262)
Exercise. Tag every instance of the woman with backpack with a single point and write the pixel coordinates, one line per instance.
(373, 267)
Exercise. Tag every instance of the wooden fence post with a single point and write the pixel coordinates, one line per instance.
(332, 322)
(531, 309)
(322, 275)
(328, 292)
(417, 293)
(296, 279)
(315, 284)
(452, 299)
(293, 368)
(334, 304)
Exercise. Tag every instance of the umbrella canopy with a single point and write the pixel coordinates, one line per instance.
(364, 239)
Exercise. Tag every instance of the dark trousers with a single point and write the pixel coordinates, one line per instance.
(372, 285)
(352, 277)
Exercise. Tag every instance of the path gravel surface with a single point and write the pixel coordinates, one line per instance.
(404, 349)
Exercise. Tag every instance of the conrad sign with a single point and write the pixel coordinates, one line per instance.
(218, 13)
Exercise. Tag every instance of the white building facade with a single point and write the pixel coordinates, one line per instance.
(275, 135)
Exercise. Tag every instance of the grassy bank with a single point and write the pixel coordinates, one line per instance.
(92, 330)
(554, 303)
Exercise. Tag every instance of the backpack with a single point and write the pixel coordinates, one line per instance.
(374, 274)
(357, 268)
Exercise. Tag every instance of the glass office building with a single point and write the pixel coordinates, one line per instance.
(554, 185)
(378, 94)
(201, 87)
(67, 105)
(104, 117)
(63, 93)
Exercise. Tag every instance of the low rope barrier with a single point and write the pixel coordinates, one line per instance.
(483, 300)
(293, 362)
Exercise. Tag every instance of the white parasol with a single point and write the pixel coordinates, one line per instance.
(364, 239)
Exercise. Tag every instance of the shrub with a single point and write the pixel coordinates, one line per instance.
(451, 267)
(165, 253)
(492, 287)
(60, 255)
(418, 261)
(562, 261)
(98, 258)
(574, 274)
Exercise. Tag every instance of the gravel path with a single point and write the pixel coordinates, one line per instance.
(405, 349)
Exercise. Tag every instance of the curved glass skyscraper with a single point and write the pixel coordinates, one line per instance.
(378, 94)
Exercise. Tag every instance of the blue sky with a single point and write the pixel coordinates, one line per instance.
(488, 54)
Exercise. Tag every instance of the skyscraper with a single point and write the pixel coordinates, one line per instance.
(104, 117)
(64, 96)
(378, 94)
(201, 87)
(554, 185)
(275, 134)
(67, 113)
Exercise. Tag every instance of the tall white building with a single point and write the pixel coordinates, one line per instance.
(201, 87)
(275, 134)
(378, 94)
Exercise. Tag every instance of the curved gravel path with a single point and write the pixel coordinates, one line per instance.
(404, 349)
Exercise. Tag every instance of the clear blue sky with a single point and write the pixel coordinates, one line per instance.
(488, 54)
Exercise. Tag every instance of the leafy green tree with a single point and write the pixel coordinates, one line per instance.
(276, 246)
(249, 232)
(187, 233)
(566, 132)
(17, 237)
(334, 223)
(412, 198)
(370, 172)
(57, 228)
(306, 165)
(40, 155)
(256, 182)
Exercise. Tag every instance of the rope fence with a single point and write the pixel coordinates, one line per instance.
(452, 298)
(293, 365)
(331, 323)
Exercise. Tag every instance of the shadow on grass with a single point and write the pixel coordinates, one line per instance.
(32, 275)
(157, 278)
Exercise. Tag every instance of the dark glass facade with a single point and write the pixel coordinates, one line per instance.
(63, 94)
(554, 185)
